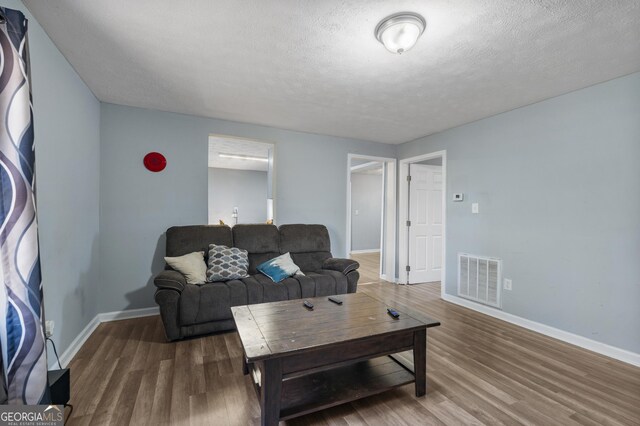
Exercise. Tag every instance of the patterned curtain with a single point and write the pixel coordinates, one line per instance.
(21, 310)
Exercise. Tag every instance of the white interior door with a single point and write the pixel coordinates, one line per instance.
(425, 232)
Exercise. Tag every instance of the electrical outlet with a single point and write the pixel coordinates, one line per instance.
(508, 284)
(475, 208)
(357, 212)
(48, 328)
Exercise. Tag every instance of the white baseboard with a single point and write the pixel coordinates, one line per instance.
(130, 313)
(574, 339)
(365, 251)
(76, 344)
(393, 280)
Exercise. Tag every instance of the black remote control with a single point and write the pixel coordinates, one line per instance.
(393, 313)
(335, 300)
(308, 305)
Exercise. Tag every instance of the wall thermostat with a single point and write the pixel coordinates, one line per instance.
(458, 197)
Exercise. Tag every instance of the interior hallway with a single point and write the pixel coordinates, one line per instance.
(369, 267)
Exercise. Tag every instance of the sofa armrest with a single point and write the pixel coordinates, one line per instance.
(169, 279)
(341, 265)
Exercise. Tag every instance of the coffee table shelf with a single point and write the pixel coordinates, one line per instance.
(313, 392)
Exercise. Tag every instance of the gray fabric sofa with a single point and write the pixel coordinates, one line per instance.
(193, 309)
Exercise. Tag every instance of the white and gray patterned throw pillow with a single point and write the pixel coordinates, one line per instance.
(226, 263)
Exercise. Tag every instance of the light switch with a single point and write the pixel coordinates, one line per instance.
(508, 284)
(357, 212)
(474, 208)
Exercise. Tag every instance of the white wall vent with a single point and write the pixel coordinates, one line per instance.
(479, 279)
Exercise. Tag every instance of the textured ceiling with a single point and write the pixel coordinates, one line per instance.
(241, 147)
(315, 66)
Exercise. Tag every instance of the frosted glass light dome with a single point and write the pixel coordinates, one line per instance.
(400, 32)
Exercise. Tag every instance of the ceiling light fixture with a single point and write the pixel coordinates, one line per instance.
(401, 31)
(243, 157)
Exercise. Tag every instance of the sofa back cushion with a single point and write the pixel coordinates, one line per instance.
(309, 245)
(182, 240)
(260, 240)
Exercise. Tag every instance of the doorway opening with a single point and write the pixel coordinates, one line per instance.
(240, 181)
(422, 225)
(371, 214)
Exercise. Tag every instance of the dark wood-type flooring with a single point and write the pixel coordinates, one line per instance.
(480, 371)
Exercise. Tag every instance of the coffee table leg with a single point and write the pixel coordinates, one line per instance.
(271, 392)
(420, 361)
(245, 366)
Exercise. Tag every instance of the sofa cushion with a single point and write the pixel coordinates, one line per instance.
(211, 301)
(325, 284)
(307, 286)
(262, 241)
(294, 290)
(309, 262)
(342, 283)
(255, 289)
(182, 240)
(256, 238)
(309, 245)
(304, 238)
(272, 292)
(226, 263)
(260, 289)
(322, 283)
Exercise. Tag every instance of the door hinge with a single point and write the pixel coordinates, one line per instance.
(408, 178)
(408, 223)
(408, 268)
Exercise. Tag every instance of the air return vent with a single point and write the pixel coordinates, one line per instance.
(479, 279)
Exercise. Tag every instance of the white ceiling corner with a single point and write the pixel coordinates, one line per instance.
(315, 66)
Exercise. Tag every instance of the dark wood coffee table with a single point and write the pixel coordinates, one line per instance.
(303, 361)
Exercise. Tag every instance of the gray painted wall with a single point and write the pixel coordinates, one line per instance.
(67, 138)
(245, 189)
(366, 197)
(137, 206)
(558, 188)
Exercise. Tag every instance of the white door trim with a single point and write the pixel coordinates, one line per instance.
(390, 246)
(402, 214)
